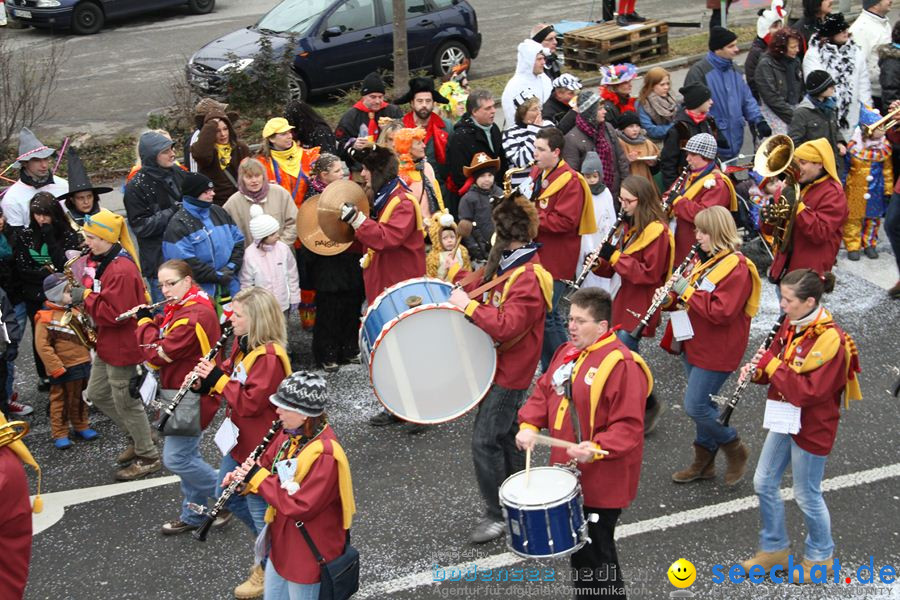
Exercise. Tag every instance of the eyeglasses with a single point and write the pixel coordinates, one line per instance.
(579, 321)
(169, 284)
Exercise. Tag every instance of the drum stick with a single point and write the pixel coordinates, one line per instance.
(552, 441)
(527, 466)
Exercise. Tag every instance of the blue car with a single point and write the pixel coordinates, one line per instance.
(339, 42)
(85, 17)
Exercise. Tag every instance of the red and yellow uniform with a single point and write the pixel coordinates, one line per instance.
(290, 169)
(700, 191)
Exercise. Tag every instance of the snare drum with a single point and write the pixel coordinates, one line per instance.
(544, 519)
(427, 362)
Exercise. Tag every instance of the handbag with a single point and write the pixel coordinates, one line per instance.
(340, 577)
(186, 420)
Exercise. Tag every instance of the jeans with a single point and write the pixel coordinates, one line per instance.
(595, 567)
(892, 226)
(494, 449)
(554, 327)
(808, 469)
(21, 318)
(279, 588)
(701, 384)
(632, 344)
(251, 509)
(181, 455)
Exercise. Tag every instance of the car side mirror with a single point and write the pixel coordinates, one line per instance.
(332, 32)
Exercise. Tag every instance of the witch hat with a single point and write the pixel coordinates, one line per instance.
(31, 147)
(78, 177)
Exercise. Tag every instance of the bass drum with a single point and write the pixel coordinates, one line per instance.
(427, 362)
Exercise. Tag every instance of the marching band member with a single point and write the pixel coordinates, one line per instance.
(607, 385)
(810, 365)
(641, 261)
(714, 306)
(305, 477)
(173, 343)
(257, 364)
(820, 214)
(513, 316)
(114, 288)
(705, 186)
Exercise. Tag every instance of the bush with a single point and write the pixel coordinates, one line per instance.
(261, 88)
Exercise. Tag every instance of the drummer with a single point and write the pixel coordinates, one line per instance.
(594, 358)
(513, 315)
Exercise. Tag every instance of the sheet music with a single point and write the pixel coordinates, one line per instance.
(781, 417)
(681, 326)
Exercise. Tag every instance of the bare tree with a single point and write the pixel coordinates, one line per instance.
(27, 82)
(401, 53)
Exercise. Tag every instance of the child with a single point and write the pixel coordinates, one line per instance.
(68, 362)
(446, 251)
(475, 224)
(635, 145)
(816, 116)
(604, 213)
(269, 263)
(870, 182)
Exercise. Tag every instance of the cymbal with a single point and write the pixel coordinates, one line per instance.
(329, 211)
(311, 235)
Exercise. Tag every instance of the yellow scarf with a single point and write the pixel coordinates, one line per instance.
(721, 265)
(694, 187)
(644, 239)
(289, 160)
(224, 153)
(19, 449)
(586, 224)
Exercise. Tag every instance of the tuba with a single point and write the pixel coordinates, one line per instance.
(776, 157)
(79, 322)
(12, 431)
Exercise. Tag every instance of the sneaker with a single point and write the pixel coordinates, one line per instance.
(87, 434)
(383, 418)
(223, 518)
(126, 456)
(18, 409)
(141, 467)
(870, 252)
(487, 529)
(635, 18)
(330, 367)
(62, 443)
(350, 358)
(853, 255)
(175, 527)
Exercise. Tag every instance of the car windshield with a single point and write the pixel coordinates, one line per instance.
(294, 16)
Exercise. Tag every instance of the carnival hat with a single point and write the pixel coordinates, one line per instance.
(276, 125)
(78, 177)
(703, 144)
(868, 115)
(302, 392)
(481, 162)
(515, 219)
(418, 85)
(616, 74)
(523, 96)
(30, 147)
(567, 81)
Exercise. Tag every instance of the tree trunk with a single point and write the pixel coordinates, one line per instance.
(401, 54)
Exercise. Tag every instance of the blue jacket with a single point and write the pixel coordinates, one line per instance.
(733, 102)
(203, 235)
(654, 131)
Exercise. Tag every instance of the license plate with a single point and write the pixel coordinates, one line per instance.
(22, 14)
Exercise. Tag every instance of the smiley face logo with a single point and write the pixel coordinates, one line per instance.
(682, 573)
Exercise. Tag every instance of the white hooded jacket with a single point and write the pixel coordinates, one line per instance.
(525, 79)
(870, 31)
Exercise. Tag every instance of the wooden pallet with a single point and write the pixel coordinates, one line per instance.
(591, 47)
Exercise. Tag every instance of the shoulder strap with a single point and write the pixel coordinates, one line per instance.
(319, 558)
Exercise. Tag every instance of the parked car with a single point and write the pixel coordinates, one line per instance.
(339, 42)
(85, 17)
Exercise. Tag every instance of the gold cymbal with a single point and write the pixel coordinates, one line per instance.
(311, 235)
(329, 209)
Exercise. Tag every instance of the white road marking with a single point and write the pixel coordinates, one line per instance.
(686, 517)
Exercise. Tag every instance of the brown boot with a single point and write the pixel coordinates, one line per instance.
(808, 565)
(703, 467)
(767, 560)
(139, 467)
(736, 454)
(127, 455)
(254, 586)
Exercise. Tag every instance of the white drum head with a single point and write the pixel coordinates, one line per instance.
(547, 485)
(432, 365)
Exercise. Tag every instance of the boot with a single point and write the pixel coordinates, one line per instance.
(254, 586)
(767, 560)
(652, 415)
(736, 454)
(139, 467)
(808, 565)
(126, 456)
(703, 467)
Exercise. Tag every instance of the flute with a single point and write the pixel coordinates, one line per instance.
(637, 331)
(591, 258)
(742, 383)
(201, 532)
(186, 386)
(133, 311)
(672, 192)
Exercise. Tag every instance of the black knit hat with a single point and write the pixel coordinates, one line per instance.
(832, 24)
(195, 184)
(719, 37)
(817, 82)
(372, 84)
(301, 392)
(694, 95)
(627, 118)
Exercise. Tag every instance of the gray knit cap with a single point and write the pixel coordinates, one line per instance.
(592, 164)
(302, 392)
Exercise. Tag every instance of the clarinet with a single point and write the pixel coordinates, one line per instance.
(672, 192)
(201, 532)
(591, 259)
(742, 384)
(645, 320)
(186, 386)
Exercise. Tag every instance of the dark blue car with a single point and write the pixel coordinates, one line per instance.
(339, 42)
(88, 16)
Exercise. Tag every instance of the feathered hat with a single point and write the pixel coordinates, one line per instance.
(616, 74)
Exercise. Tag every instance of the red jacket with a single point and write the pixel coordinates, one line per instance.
(15, 520)
(686, 209)
(119, 289)
(247, 403)
(560, 216)
(816, 234)
(642, 272)
(181, 342)
(817, 391)
(317, 504)
(396, 245)
(609, 481)
(523, 309)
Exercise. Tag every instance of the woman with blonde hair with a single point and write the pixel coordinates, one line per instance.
(656, 107)
(254, 190)
(389, 129)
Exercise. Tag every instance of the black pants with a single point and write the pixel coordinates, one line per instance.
(595, 567)
(336, 332)
(4, 400)
(31, 309)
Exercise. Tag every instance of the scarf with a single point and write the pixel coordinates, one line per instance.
(195, 295)
(384, 194)
(514, 258)
(840, 59)
(317, 185)
(869, 150)
(603, 147)
(27, 179)
(696, 117)
(164, 176)
(620, 101)
(223, 151)
(257, 197)
(434, 130)
(196, 207)
(661, 109)
(695, 175)
(289, 160)
(373, 118)
(827, 106)
(640, 139)
(487, 133)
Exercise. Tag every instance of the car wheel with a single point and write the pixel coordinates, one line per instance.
(448, 56)
(298, 89)
(201, 7)
(87, 19)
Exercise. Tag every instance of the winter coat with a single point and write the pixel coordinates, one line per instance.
(757, 51)
(524, 79)
(209, 241)
(774, 87)
(10, 331)
(278, 203)
(733, 103)
(560, 113)
(348, 130)
(672, 160)
(468, 140)
(434, 260)
(809, 123)
(655, 131)
(203, 151)
(870, 31)
(518, 146)
(39, 252)
(807, 26)
(475, 206)
(17, 199)
(578, 144)
(273, 268)
(149, 205)
(889, 77)
(8, 277)
(847, 66)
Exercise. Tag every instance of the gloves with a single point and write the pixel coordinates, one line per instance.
(225, 277)
(763, 129)
(77, 292)
(679, 286)
(12, 351)
(352, 216)
(606, 251)
(143, 313)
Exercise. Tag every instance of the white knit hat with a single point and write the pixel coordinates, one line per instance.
(261, 224)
